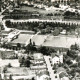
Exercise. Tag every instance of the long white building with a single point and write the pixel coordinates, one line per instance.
(62, 1)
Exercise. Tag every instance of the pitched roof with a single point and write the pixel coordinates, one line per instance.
(61, 69)
(62, 74)
(56, 54)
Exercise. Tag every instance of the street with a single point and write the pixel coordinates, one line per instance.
(51, 71)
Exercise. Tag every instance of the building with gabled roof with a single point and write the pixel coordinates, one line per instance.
(62, 73)
(57, 58)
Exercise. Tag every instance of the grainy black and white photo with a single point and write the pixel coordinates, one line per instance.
(39, 39)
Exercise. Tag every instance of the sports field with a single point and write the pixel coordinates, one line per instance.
(39, 39)
(22, 38)
(48, 40)
(58, 41)
(7, 61)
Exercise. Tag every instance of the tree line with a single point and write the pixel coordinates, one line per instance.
(44, 27)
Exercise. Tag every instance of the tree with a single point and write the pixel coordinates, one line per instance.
(10, 77)
(44, 50)
(21, 60)
(33, 78)
(72, 53)
(18, 45)
(27, 63)
(9, 65)
(41, 26)
(56, 32)
(74, 47)
(56, 5)
(79, 64)
(31, 47)
(4, 69)
(8, 23)
(33, 43)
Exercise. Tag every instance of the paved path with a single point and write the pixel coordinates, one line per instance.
(27, 42)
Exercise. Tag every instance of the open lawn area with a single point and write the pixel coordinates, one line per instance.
(61, 41)
(32, 9)
(7, 61)
(22, 38)
(48, 40)
(39, 39)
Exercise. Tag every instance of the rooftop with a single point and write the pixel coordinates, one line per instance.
(56, 54)
(61, 69)
(38, 56)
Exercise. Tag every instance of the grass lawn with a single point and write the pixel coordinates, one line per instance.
(22, 38)
(14, 62)
(58, 41)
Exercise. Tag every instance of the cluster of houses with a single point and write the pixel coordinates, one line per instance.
(38, 69)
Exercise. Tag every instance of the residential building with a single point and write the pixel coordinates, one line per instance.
(57, 58)
(38, 62)
(43, 75)
(62, 74)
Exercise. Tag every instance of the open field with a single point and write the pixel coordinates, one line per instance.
(39, 39)
(49, 40)
(58, 41)
(22, 38)
(32, 9)
(7, 61)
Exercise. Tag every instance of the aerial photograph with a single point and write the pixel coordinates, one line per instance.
(39, 39)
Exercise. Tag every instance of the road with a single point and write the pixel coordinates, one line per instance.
(39, 20)
(51, 71)
(1, 16)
